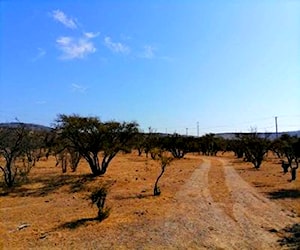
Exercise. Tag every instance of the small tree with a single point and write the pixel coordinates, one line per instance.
(16, 147)
(284, 147)
(152, 141)
(255, 148)
(89, 136)
(139, 143)
(237, 146)
(67, 157)
(164, 159)
(296, 150)
(210, 144)
(177, 145)
(288, 147)
(98, 197)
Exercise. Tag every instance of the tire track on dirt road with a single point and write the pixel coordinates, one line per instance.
(199, 222)
(199, 219)
(255, 214)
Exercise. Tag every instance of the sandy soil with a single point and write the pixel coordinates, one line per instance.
(206, 203)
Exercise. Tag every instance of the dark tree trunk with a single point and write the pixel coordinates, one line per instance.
(106, 160)
(140, 151)
(294, 170)
(152, 154)
(293, 173)
(75, 158)
(239, 153)
(9, 176)
(64, 164)
(177, 153)
(285, 166)
(94, 165)
(156, 190)
(257, 163)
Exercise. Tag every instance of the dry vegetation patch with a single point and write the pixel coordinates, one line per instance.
(53, 209)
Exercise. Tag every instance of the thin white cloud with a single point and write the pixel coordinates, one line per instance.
(116, 47)
(41, 53)
(91, 34)
(61, 17)
(78, 88)
(75, 48)
(149, 52)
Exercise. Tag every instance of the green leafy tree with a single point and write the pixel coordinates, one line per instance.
(210, 144)
(296, 150)
(284, 147)
(177, 145)
(89, 137)
(236, 146)
(139, 143)
(287, 148)
(255, 148)
(164, 160)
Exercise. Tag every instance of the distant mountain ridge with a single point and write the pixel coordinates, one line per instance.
(30, 126)
(227, 135)
(271, 136)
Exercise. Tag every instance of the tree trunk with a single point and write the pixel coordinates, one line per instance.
(106, 160)
(285, 166)
(293, 173)
(257, 164)
(64, 164)
(140, 151)
(9, 176)
(94, 165)
(294, 170)
(156, 190)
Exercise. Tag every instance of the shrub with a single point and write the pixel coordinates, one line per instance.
(98, 197)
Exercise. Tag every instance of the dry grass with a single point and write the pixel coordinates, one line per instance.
(59, 215)
(56, 207)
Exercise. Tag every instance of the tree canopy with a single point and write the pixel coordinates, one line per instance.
(89, 136)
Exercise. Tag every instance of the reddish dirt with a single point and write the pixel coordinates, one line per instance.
(206, 203)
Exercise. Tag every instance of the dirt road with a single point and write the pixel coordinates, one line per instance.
(213, 209)
(197, 221)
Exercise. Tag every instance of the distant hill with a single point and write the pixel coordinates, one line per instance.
(30, 126)
(271, 136)
(229, 135)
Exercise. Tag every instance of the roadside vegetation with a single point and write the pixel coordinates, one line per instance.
(125, 173)
(74, 139)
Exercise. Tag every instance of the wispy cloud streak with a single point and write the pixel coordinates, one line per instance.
(78, 88)
(75, 48)
(41, 53)
(116, 47)
(61, 17)
(91, 35)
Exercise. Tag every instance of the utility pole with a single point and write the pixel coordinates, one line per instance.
(197, 129)
(276, 127)
(187, 131)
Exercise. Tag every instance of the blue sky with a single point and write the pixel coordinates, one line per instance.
(227, 65)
